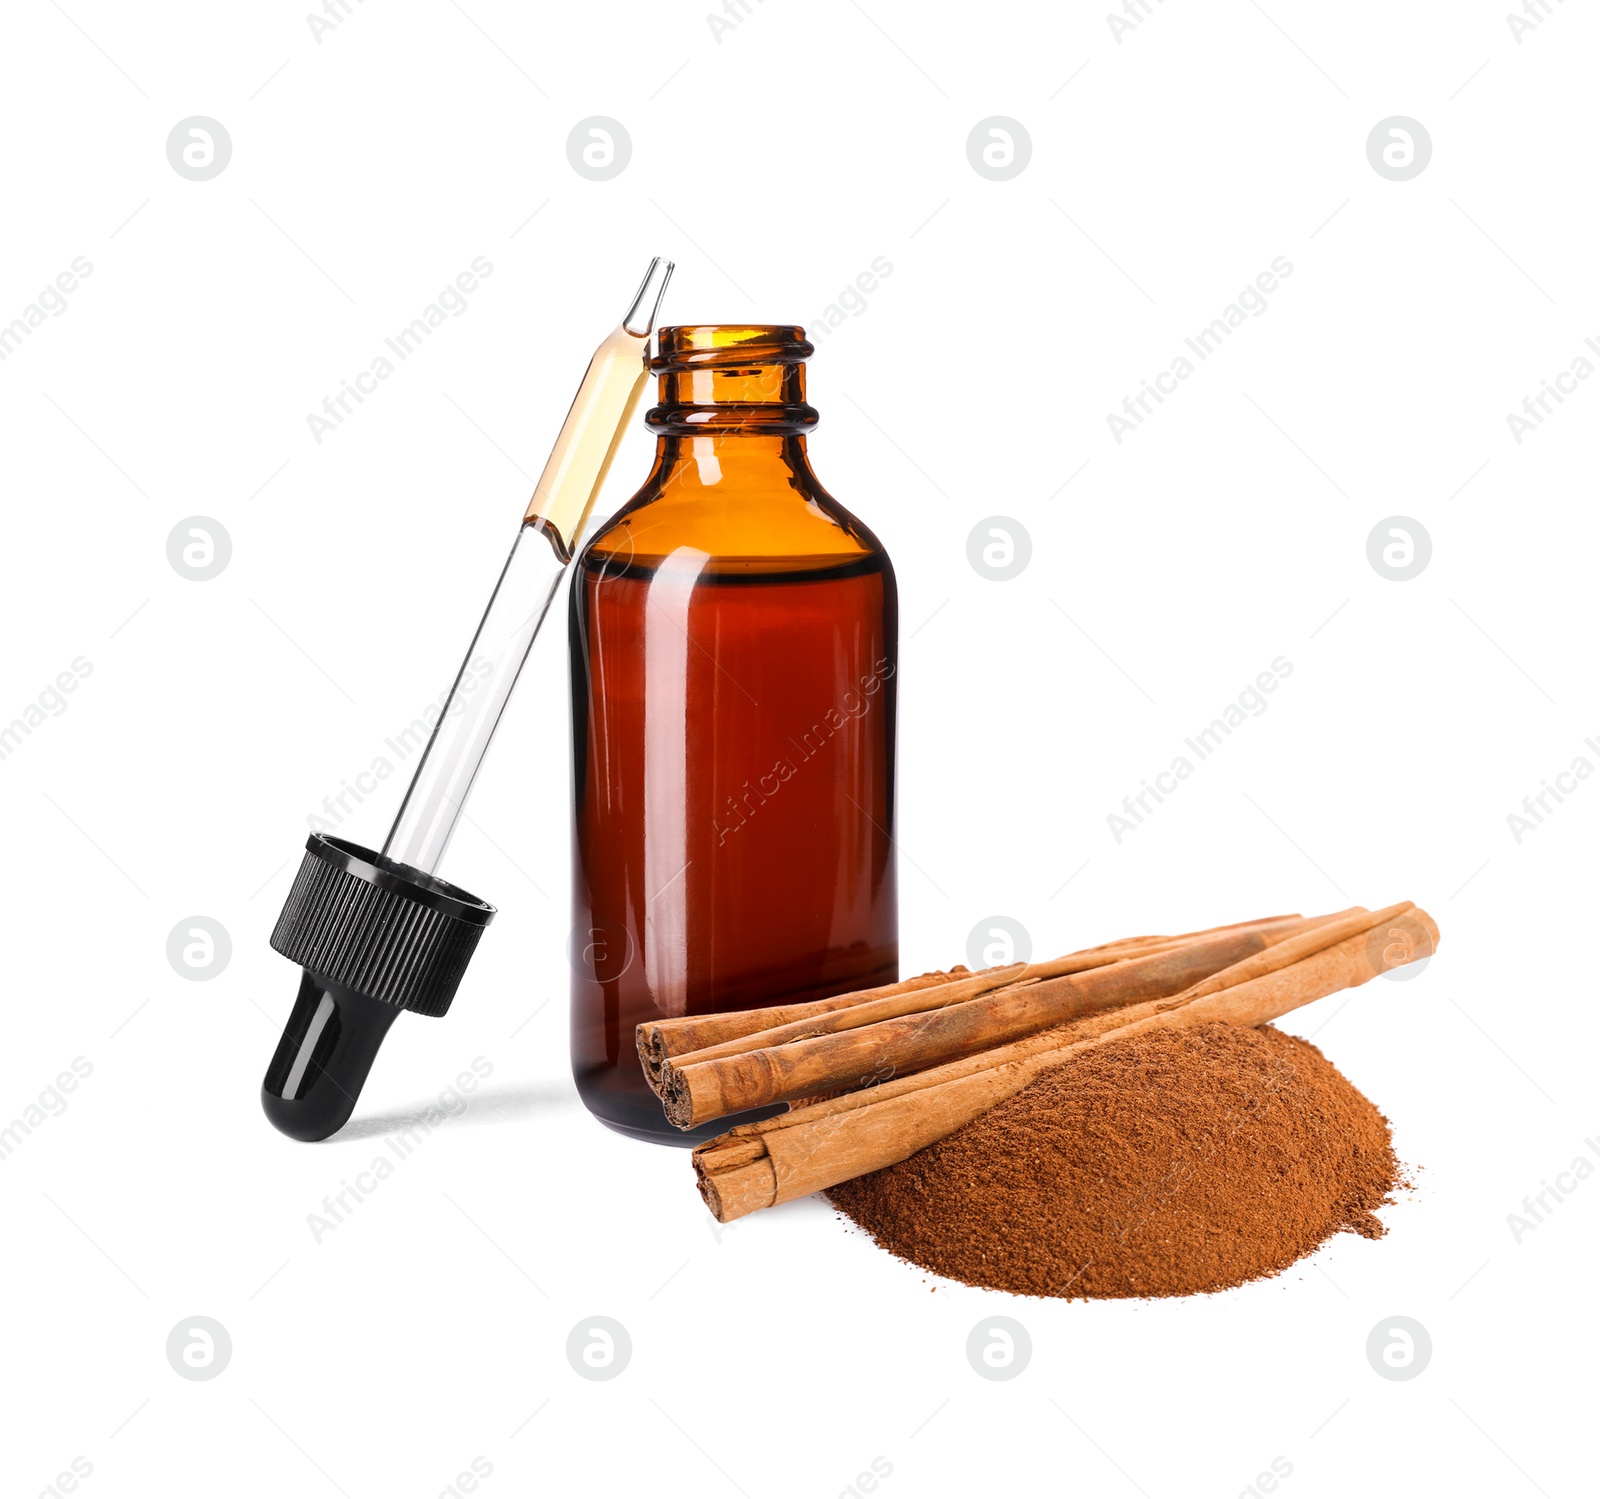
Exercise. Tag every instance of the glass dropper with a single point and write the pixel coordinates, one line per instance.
(545, 544)
(377, 933)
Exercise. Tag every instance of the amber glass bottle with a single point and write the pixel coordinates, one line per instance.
(733, 641)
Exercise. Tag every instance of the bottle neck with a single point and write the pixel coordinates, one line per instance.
(751, 463)
(732, 480)
(743, 383)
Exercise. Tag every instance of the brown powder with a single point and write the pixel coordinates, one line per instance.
(1174, 1162)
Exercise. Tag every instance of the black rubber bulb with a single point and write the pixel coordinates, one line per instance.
(323, 1059)
(373, 938)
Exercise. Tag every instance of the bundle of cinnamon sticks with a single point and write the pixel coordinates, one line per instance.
(874, 1076)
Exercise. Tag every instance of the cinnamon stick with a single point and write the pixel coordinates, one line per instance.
(875, 1005)
(671, 1037)
(695, 1088)
(1332, 931)
(657, 1040)
(825, 1143)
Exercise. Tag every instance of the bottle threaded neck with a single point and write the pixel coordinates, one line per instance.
(726, 378)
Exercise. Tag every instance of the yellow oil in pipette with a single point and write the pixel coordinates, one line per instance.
(562, 500)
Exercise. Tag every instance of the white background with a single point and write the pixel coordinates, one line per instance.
(785, 1354)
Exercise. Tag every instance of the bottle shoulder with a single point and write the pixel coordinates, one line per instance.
(743, 520)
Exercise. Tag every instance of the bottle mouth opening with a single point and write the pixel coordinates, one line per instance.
(686, 348)
(720, 378)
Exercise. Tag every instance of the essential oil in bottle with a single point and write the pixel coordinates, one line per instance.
(733, 637)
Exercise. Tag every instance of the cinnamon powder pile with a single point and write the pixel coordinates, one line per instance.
(1176, 1161)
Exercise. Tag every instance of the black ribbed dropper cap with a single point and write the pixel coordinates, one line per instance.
(374, 937)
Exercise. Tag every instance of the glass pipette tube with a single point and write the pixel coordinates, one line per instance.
(546, 543)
